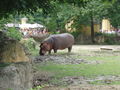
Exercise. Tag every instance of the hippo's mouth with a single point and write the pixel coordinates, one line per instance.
(41, 54)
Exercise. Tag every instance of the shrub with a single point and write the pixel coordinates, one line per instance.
(98, 34)
(75, 34)
(110, 39)
(14, 33)
(29, 43)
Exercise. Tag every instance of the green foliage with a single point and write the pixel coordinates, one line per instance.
(37, 88)
(75, 34)
(14, 33)
(98, 34)
(114, 13)
(24, 6)
(4, 21)
(54, 14)
(51, 24)
(110, 39)
(29, 43)
(95, 8)
(30, 46)
(55, 20)
(109, 35)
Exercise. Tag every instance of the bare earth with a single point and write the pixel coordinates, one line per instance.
(86, 87)
(96, 47)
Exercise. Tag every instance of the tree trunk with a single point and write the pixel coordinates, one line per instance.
(92, 30)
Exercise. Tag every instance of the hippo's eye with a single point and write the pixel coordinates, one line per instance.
(43, 47)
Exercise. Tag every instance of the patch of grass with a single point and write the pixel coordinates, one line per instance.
(115, 83)
(37, 88)
(110, 67)
(103, 58)
(9, 89)
(87, 70)
(97, 82)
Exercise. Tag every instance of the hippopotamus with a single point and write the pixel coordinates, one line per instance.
(57, 42)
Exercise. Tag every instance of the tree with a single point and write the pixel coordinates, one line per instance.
(57, 20)
(23, 6)
(92, 13)
(114, 13)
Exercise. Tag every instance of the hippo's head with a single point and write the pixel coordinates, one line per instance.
(44, 47)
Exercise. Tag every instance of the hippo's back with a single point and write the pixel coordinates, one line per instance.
(62, 41)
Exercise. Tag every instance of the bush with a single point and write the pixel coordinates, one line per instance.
(98, 34)
(75, 34)
(110, 39)
(30, 46)
(109, 35)
(14, 33)
(29, 43)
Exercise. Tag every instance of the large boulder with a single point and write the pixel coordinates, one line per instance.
(11, 50)
(15, 68)
(39, 38)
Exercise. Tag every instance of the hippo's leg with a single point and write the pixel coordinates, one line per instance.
(55, 50)
(69, 49)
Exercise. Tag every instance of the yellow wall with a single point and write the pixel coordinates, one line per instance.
(105, 25)
(24, 20)
(87, 29)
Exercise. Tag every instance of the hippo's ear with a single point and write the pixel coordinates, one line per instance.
(44, 44)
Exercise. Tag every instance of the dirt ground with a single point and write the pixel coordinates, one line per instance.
(96, 47)
(86, 87)
(62, 59)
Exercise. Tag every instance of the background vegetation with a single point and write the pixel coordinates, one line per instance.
(55, 14)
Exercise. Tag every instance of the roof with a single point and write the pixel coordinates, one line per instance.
(27, 25)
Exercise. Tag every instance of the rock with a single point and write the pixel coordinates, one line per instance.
(12, 51)
(106, 48)
(40, 38)
(16, 76)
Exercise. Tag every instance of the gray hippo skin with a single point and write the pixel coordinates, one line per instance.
(57, 42)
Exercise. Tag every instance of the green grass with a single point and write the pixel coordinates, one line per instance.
(111, 67)
(102, 58)
(87, 70)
